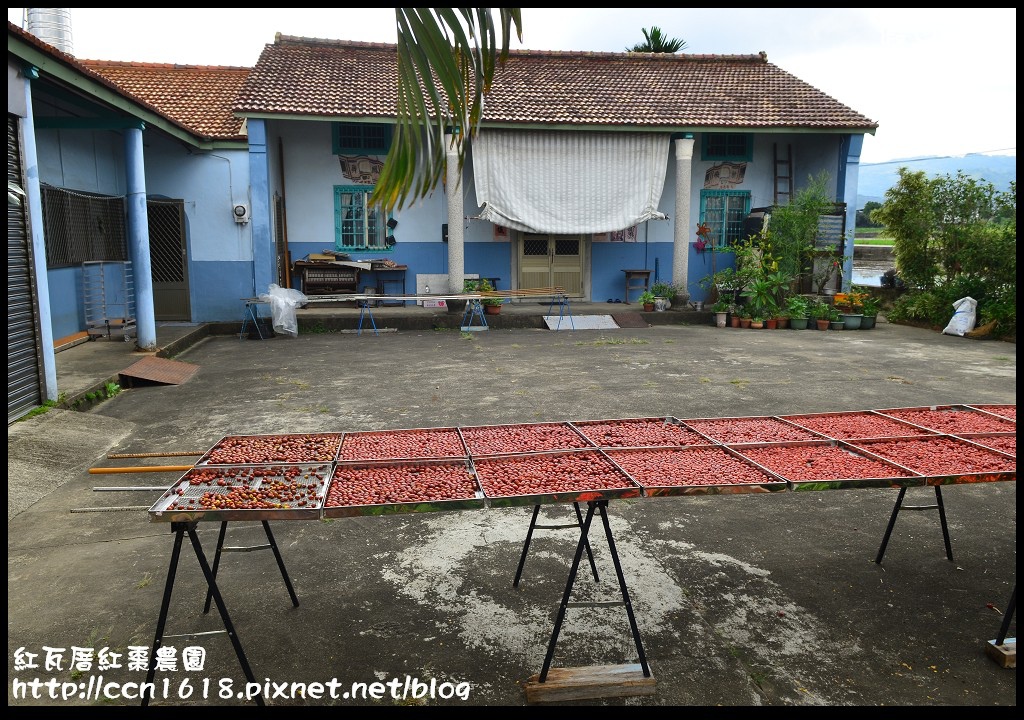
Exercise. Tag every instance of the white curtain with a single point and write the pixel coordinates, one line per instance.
(568, 183)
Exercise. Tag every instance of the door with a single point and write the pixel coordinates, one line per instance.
(551, 261)
(169, 259)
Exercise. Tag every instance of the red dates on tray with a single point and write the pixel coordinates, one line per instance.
(295, 448)
(677, 467)
(819, 462)
(953, 421)
(638, 433)
(749, 430)
(392, 445)
(552, 473)
(843, 426)
(511, 439)
(400, 483)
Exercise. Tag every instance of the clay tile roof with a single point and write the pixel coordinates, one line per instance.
(199, 97)
(334, 78)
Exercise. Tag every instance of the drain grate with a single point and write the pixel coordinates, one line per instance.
(159, 370)
(629, 320)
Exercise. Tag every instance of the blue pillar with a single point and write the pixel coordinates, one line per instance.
(846, 188)
(264, 256)
(138, 239)
(34, 202)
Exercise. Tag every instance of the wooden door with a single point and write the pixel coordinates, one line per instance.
(551, 261)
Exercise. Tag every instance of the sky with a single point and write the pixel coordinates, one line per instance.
(939, 82)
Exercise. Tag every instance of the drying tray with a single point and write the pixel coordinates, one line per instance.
(384, 469)
(1005, 470)
(553, 488)
(716, 429)
(939, 418)
(1000, 442)
(666, 432)
(573, 438)
(895, 476)
(171, 506)
(330, 441)
(890, 426)
(714, 460)
(403, 439)
(1006, 411)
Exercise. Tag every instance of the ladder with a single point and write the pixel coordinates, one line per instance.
(783, 174)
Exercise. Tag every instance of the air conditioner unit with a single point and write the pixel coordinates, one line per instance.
(241, 213)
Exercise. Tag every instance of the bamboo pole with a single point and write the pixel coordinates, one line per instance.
(141, 469)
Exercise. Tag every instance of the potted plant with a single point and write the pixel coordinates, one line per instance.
(869, 309)
(647, 300)
(721, 311)
(851, 306)
(492, 305)
(835, 318)
(821, 311)
(798, 311)
(666, 291)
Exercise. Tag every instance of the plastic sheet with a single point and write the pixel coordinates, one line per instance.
(283, 302)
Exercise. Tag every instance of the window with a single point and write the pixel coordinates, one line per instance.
(723, 211)
(357, 225)
(361, 138)
(80, 227)
(736, 147)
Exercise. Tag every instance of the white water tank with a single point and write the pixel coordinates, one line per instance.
(53, 26)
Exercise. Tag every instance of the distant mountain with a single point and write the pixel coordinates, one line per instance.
(876, 178)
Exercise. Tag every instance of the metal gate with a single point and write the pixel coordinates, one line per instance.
(169, 259)
(551, 261)
(24, 350)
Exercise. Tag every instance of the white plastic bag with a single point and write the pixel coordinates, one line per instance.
(964, 318)
(283, 302)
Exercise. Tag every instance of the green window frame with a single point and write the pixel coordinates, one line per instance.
(732, 147)
(724, 211)
(358, 226)
(361, 138)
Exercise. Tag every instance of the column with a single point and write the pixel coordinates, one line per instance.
(453, 189)
(138, 239)
(683, 228)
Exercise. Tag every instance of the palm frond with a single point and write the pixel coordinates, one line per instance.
(447, 58)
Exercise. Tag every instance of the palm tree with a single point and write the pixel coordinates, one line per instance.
(446, 63)
(655, 42)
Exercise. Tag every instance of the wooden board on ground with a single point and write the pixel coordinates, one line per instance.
(1005, 654)
(594, 681)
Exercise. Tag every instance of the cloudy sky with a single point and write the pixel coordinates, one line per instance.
(940, 82)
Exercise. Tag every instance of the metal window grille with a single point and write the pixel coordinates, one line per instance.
(723, 211)
(366, 137)
(81, 227)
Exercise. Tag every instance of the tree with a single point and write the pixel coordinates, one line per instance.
(446, 63)
(656, 42)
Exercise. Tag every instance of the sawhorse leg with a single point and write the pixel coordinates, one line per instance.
(563, 309)
(250, 314)
(179, 529)
(601, 505)
(896, 511)
(271, 545)
(529, 536)
(474, 309)
(364, 309)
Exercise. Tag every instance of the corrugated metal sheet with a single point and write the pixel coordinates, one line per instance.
(24, 379)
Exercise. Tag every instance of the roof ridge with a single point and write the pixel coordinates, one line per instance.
(159, 66)
(761, 56)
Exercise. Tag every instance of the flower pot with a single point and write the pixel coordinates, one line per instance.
(798, 323)
(756, 324)
(822, 324)
(783, 323)
(720, 319)
(836, 325)
(734, 321)
(867, 322)
(771, 323)
(744, 322)
(659, 304)
(852, 321)
(648, 307)
(492, 309)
